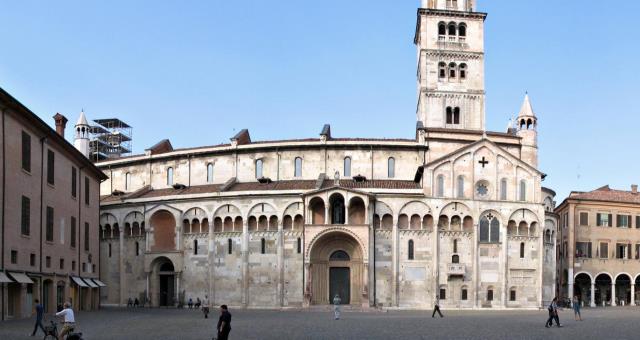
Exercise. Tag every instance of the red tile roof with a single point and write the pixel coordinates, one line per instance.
(608, 195)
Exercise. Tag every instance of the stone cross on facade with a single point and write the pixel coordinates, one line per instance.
(483, 161)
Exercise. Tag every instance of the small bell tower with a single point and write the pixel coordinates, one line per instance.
(81, 141)
(528, 129)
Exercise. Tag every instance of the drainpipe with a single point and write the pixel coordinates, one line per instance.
(42, 140)
(374, 256)
(4, 189)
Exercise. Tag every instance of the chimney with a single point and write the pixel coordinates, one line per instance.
(634, 188)
(61, 123)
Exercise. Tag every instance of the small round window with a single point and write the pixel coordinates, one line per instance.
(482, 189)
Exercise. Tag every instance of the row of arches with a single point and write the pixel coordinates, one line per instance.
(452, 71)
(452, 29)
(528, 124)
(108, 231)
(336, 211)
(606, 289)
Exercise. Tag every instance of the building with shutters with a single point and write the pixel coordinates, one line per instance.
(599, 238)
(455, 212)
(49, 211)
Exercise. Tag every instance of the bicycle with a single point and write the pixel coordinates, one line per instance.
(51, 333)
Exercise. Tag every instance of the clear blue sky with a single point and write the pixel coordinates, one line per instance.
(198, 71)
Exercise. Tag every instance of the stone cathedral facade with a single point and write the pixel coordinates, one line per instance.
(456, 213)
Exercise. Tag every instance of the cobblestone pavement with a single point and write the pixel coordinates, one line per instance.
(142, 324)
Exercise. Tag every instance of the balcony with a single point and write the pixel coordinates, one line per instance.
(456, 269)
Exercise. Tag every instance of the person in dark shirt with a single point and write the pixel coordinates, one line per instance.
(224, 323)
(39, 315)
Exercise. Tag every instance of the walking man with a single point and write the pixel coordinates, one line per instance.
(205, 307)
(553, 314)
(39, 315)
(436, 308)
(224, 323)
(336, 306)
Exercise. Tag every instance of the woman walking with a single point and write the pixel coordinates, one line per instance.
(576, 308)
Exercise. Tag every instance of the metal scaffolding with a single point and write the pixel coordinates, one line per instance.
(110, 138)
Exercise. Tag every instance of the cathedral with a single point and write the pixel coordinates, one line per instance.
(456, 214)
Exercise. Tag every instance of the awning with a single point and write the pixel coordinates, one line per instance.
(20, 277)
(79, 281)
(89, 282)
(99, 283)
(4, 278)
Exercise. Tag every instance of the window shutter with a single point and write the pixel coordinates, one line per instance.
(629, 221)
(598, 220)
(610, 220)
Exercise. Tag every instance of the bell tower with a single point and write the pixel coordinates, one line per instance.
(450, 48)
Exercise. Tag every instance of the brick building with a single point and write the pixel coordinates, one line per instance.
(49, 210)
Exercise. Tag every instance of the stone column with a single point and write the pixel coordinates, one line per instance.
(148, 293)
(394, 265)
(245, 263)
(633, 294)
(327, 219)
(212, 260)
(476, 275)
(365, 285)
(123, 281)
(177, 294)
(593, 295)
(280, 254)
(505, 271)
(613, 293)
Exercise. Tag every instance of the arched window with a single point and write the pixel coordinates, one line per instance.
(229, 246)
(391, 167)
(339, 255)
(210, 173)
(449, 115)
(137, 248)
(490, 294)
(442, 28)
(259, 164)
(489, 229)
(512, 294)
(452, 70)
(462, 30)
(503, 189)
(463, 71)
(109, 249)
(299, 245)
(410, 254)
(127, 181)
(440, 186)
(347, 167)
(460, 186)
(464, 294)
(452, 29)
(455, 246)
(523, 190)
(522, 250)
(170, 176)
(263, 246)
(195, 247)
(456, 115)
(297, 172)
(455, 259)
(442, 70)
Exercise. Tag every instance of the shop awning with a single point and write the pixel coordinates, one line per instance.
(89, 282)
(4, 278)
(79, 281)
(99, 283)
(20, 277)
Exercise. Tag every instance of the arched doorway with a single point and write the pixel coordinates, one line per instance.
(337, 267)
(603, 289)
(47, 296)
(623, 290)
(582, 288)
(162, 282)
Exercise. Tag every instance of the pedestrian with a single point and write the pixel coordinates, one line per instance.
(129, 303)
(553, 314)
(205, 307)
(224, 323)
(436, 308)
(39, 315)
(190, 303)
(336, 307)
(576, 308)
(136, 303)
(198, 303)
